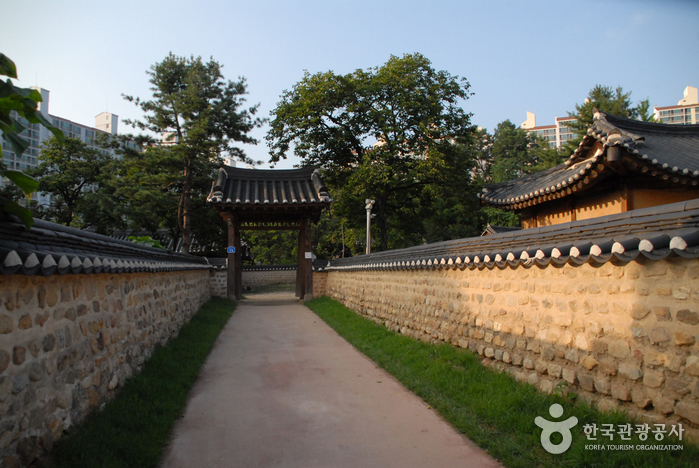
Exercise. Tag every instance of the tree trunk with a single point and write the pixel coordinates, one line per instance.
(184, 218)
(382, 219)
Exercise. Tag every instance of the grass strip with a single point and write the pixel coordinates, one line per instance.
(489, 407)
(134, 428)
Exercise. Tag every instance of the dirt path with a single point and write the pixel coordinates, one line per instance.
(282, 389)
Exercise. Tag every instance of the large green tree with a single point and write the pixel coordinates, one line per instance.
(202, 117)
(384, 133)
(511, 153)
(514, 153)
(71, 172)
(606, 99)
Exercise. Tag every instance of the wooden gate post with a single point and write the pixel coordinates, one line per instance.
(308, 262)
(234, 279)
(300, 264)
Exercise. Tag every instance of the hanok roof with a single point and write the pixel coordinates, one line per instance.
(245, 190)
(651, 233)
(490, 229)
(49, 248)
(668, 154)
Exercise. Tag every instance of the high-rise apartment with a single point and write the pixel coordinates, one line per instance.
(105, 123)
(557, 135)
(36, 134)
(686, 112)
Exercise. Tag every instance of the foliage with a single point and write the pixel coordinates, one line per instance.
(481, 150)
(602, 98)
(385, 133)
(148, 241)
(147, 187)
(515, 153)
(273, 247)
(202, 116)
(510, 153)
(18, 102)
(644, 112)
(71, 172)
(498, 217)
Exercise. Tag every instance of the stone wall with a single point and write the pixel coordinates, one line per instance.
(219, 283)
(68, 343)
(252, 278)
(622, 335)
(255, 278)
(320, 283)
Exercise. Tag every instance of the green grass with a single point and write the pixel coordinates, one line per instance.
(133, 428)
(491, 408)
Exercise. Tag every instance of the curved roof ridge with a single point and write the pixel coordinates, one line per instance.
(664, 152)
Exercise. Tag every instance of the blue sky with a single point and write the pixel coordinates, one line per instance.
(538, 56)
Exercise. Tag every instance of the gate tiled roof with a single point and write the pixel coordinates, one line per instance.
(247, 188)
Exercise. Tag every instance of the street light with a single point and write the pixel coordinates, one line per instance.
(369, 205)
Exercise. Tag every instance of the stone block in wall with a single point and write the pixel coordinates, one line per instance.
(568, 375)
(682, 338)
(603, 386)
(653, 378)
(621, 392)
(587, 382)
(663, 405)
(630, 371)
(688, 410)
(588, 362)
(692, 365)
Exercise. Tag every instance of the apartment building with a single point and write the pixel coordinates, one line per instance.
(557, 135)
(36, 134)
(105, 123)
(686, 112)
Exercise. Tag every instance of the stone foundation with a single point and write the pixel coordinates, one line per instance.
(255, 278)
(219, 281)
(624, 336)
(68, 343)
(320, 283)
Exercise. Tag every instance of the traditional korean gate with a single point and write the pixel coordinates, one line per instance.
(258, 199)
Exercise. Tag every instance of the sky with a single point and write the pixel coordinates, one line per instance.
(518, 56)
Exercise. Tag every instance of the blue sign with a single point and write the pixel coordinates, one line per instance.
(231, 249)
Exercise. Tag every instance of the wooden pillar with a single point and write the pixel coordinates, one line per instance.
(300, 265)
(626, 204)
(234, 280)
(308, 262)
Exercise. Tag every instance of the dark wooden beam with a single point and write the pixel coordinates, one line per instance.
(238, 262)
(234, 278)
(308, 262)
(300, 265)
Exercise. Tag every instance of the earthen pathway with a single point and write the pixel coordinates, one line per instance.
(282, 389)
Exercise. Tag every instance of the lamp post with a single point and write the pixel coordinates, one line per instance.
(369, 205)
